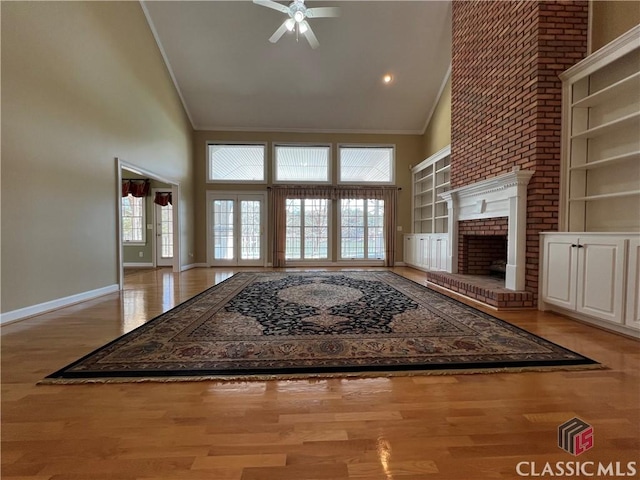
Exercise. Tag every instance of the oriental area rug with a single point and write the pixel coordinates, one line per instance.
(271, 325)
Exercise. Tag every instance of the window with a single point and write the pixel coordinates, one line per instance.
(236, 163)
(301, 163)
(362, 229)
(133, 220)
(368, 164)
(307, 236)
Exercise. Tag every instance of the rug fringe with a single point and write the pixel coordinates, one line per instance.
(313, 376)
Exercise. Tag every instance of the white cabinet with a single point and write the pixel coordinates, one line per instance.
(559, 271)
(601, 140)
(410, 257)
(438, 252)
(599, 288)
(426, 251)
(587, 274)
(632, 315)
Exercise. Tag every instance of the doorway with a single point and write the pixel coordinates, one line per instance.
(166, 250)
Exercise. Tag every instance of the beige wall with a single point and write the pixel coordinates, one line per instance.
(610, 19)
(82, 83)
(438, 133)
(408, 152)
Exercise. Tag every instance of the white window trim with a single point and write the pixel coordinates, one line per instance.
(229, 182)
(368, 145)
(274, 169)
(144, 226)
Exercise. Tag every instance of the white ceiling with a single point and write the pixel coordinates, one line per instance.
(231, 77)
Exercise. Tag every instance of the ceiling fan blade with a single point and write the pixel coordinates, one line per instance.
(273, 5)
(278, 33)
(311, 37)
(321, 12)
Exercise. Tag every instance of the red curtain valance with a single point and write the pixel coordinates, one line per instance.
(163, 199)
(135, 188)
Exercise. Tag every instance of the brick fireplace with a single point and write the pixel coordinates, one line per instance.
(487, 223)
(506, 117)
(482, 247)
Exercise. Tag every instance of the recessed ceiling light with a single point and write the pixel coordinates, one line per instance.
(388, 78)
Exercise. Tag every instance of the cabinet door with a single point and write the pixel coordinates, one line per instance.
(409, 250)
(439, 253)
(559, 270)
(423, 255)
(632, 317)
(600, 284)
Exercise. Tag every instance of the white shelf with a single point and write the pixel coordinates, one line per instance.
(604, 196)
(423, 179)
(430, 178)
(624, 87)
(609, 127)
(601, 139)
(606, 162)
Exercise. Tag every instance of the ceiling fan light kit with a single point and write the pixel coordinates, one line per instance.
(298, 15)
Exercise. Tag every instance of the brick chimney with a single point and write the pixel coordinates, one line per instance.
(506, 99)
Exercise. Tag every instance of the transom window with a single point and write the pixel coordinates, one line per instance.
(236, 163)
(302, 163)
(307, 236)
(133, 220)
(362, 229)
(366, 164)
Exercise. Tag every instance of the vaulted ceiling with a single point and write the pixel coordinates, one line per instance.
(230, 77)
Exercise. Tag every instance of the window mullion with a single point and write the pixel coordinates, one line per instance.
(302, 229)
(365, 221)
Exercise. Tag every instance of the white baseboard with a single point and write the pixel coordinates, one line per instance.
(184, 268)
(400, 264)
(45, 307)
(138, 264)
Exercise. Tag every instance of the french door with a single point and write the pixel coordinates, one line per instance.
(164, 233)
(236, 229)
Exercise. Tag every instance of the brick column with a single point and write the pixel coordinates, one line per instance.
(506, 99)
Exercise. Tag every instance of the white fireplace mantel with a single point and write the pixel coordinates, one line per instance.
(501, 196)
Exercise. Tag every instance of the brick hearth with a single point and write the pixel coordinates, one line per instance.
(484, 288)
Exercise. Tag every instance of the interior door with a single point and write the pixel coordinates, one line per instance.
(236, 229)
(164, 234)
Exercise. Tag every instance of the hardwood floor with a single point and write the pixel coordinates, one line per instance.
(403, 428)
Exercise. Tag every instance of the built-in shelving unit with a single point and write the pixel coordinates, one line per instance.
(431, 178)
(601, 140)
(590, 270)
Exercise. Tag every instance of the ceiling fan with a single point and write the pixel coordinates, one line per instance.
(298, 15)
